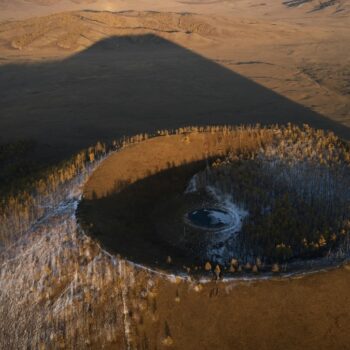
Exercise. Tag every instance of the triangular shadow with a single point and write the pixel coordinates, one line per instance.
(131, 84)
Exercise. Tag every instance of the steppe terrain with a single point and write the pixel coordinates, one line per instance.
(74, 72)
(70, 79)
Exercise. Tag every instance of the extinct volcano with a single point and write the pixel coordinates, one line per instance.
(242, 199)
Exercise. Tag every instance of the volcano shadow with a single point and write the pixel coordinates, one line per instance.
(127, 85)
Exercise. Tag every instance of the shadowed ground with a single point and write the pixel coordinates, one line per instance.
(131, 84)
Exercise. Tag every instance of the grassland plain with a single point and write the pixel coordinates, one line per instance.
(71, 79)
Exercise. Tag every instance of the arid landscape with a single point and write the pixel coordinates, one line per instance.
(108, 111)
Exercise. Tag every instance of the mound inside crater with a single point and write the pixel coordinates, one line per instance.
(243, 198)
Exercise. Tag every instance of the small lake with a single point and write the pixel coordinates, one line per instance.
(209, 218)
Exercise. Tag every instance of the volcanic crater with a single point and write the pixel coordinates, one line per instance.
(246, 200)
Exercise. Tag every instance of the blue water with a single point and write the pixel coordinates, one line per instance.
(210, 218)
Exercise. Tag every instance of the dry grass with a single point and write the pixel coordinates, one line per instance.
(59, 289)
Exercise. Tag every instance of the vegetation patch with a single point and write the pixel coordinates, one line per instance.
(296, 192)
(285, 189)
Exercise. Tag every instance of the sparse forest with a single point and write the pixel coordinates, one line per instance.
(293, 181)
(29, 192)
(297, 193)
(68, 291)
